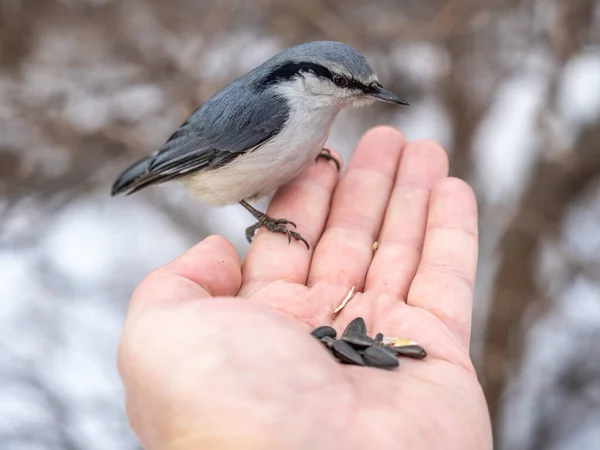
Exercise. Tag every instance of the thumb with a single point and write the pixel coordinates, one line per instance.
(209, 269)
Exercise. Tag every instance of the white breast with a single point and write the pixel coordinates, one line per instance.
(259, 172)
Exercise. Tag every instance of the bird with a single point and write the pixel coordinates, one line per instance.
(258, 132)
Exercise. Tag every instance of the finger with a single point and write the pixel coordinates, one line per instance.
(401, 239)
(444, 281)
(346, 248)
(211, 268)
(305, 201)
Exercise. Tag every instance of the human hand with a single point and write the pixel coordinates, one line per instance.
(216, 355)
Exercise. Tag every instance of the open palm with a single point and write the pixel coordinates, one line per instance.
(218, 355)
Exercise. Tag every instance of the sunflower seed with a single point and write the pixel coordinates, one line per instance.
(358, 341)
(345, 353)
(324, 331)
(356, 326)
(378, 338)
(410, 351)
(328, 341)
(378, 356)
(387, 349)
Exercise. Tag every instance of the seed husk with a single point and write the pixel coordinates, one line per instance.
(345, 353)
(325, 330)
(356, 326)
(378, 356)
(343, 304)
(358, 341)
(410, 351)
(398, 342)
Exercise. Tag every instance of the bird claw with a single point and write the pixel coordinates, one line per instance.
(326, 154)
(282, 222)
(276, 226)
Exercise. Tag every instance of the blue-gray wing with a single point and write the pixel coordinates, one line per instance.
(225, 127)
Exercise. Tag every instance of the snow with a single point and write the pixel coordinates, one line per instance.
(579, 93)
(89, 239)
(427, 119)
(507, 145)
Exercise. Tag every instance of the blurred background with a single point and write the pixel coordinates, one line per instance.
(510, 87)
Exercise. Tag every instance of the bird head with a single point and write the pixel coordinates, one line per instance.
(325, 73)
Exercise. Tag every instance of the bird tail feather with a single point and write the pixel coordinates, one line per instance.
(128, 180)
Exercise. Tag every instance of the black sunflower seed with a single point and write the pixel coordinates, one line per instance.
(378, 356)
(345, 353)
(328, 341)
(379, 338)
(356, 326)
(358, 341)
(410, 351)
(324, 331)
(387, 349)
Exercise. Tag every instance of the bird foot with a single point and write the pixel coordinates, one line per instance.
(326, 154)
(275, 226)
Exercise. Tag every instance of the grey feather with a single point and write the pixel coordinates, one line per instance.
(325, 53)
(133, 172)
(201, 144)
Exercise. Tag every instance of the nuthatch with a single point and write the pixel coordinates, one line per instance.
(260, 131)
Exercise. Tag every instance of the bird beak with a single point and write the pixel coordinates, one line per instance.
(386, 96)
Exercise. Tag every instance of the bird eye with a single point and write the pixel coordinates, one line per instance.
(340, 80)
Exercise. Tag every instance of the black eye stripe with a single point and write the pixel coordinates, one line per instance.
(370, 89)
(290, 70)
